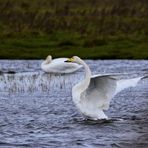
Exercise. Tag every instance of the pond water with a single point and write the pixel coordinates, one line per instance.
(36, 109)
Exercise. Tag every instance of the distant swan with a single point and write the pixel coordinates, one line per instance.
(93, 94)
(59, 65)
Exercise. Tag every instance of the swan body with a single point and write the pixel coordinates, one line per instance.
(93, 94)
(59, 65)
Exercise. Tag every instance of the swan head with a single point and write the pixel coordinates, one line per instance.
(48, 59)
(75, 59)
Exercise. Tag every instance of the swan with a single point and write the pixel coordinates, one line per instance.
(93, 94)
(58, 65)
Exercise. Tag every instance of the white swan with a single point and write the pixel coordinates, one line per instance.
(93, 94)
(59, 65)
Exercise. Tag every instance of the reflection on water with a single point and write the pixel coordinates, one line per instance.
(36, 109)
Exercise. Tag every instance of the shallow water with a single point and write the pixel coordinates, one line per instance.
(36, 109)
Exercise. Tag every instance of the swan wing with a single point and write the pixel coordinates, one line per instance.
(112, 75)
(60, 66)
(126, 83)
(106, 84)
(63, 68)
(122, 84)
(103, 88)
(59, 60)
(100, 91)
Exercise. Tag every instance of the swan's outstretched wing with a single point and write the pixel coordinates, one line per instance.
(100, 91)
(123, 83)
(126, 83)
(106, 84)
(103, 88)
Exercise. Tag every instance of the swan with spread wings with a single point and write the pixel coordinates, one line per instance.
(93, 94)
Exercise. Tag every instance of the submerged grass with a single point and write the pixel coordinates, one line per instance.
(91, 28)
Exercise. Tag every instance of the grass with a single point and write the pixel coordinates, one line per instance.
(111, 29)
(62, 45)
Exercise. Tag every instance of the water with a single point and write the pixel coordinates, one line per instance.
(36, 109)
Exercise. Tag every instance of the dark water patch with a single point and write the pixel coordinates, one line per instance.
(145, 69)
(133, 145)
(4, 144)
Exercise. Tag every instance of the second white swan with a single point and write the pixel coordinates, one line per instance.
(59, 65)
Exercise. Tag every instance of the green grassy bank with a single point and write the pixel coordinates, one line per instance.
(111, 29)
(61, 44)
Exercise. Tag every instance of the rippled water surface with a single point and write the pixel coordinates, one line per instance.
(36, 109)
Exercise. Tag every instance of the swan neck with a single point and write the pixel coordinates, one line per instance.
(47, 61)
(87, 71)
(86, 81)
